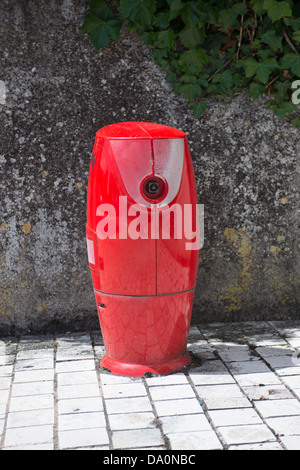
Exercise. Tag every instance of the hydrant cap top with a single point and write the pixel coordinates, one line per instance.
(139, 130)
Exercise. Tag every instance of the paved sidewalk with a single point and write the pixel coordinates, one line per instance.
(241, 392)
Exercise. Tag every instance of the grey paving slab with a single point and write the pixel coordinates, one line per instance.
(242, 392)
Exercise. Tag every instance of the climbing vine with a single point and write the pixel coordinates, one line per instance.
(213, 48)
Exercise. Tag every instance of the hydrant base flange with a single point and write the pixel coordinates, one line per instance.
(145, 334)
(118, 367)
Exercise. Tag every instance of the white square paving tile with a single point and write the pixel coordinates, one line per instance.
(73, 354)
(124, 390)
(235, 417)
(211, 378)
(34, 375)
(79, 405)
(110, 379)
(32, 388)
(173, 379)
(257, 446)
(219, 391)
(1, 426)
(185, 423)
(15, 437)
(194, 440)
(75, 366)
(3, 407)
(7, 360)
(274, 408)
(287, 425)
(139, 420)
(6, 371)
(181, 406)
(78, 391)
(128, 405)
(246, 434)
(69, 422)
(32, 354)
(292, 381)
(34, 364)
(44, 446)
(137, 438)
(4, 396)
(291, 442)
(86, 437)
(227, 403)
(28, 403)
(5, 383)
(264, 378)
(168, 392)
(30, 418)
(267, 392)
(74, 378)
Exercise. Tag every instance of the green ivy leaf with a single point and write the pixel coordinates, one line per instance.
(291, 61)
(139, 11)
(171, 76)
(100, 9)
(224, 79)
(192, 37)
(186, 78)
(286, 108)
(239, 8)
(91, 22)
(263, 54)
(282, 89)
(256, 90)
(198, 109)
(296, 36)
(272, 39)
(161, 20)
(293, 22)
(160, 56)
(165, 39)
(261, 70)
(227, 18)
(102, 32)
(277, 10)
(296, 122)
(191, 91)
(193, 60)
(258, 6)
(192, 13)
(176, 8)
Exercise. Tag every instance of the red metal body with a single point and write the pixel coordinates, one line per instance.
(143, 275)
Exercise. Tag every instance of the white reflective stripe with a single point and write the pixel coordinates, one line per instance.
(91, 251)
(134, 159)
(168, 163)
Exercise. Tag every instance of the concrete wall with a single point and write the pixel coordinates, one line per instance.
(59, 92)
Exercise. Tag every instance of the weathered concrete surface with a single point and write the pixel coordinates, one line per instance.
(60, 91)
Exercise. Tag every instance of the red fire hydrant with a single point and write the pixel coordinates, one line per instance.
(143, 245)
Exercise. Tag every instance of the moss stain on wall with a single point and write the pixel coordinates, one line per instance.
(236, 292)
